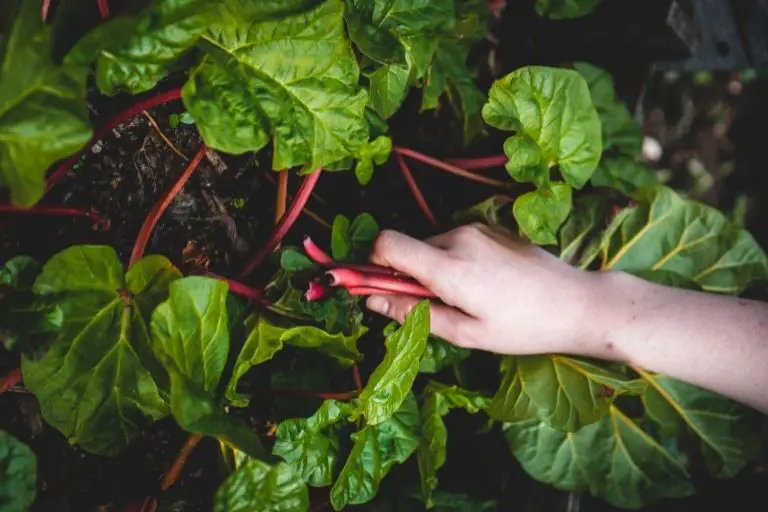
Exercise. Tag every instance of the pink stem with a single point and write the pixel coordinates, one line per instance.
(124, 116)
(350, 279)
(415, 190)
(302, 196)
(46, 6)
(103, 9)
(159, 208)
(238, 288)
(316, 291)
(439, 164)
(10, 380)
(320, 257)
(362, 291)
(487, 162)
(99, 220)
(316, 254)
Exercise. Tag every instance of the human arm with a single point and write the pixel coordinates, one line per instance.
(506, 296)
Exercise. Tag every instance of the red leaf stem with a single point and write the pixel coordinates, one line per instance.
(415, 190)
(10, 380)
(356, 377)
(348, 278)
(98, 219)
(316, 254)
(174, 472)
(282, 195)
(439, 164)
(45, 7)
(486, 162)
(315, 291)
(238, 288)
(103, 9)
(320, 257)
(161, 205)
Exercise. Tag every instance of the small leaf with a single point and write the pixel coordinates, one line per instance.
(613, 459)
(439, 354)
(551, 111)
(540, 213)
(341, 243)
(389, 87)
(376, 449)
(374, 152)
(565, 9)
(18, 474)
(391, 381)
(363, 232)
(293, 260)
(311, 446)
(587, 215)
(258, 486)
(563, 392)
(624, 174)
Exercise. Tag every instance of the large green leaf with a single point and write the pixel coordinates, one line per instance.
(613, 459)
(293, 79)
(540, 213)
(563, 392)
(18, 474)
(265, 339)
(620, 131)
(564, 9)
(391, 381)
(586, 217)
(100, 383)
(555, 124)
(623, 173)
(258, 486)
(376, 449)
(727, 429)
(134, 52)
(665, 232)
(311, 446)
(43, 113)
(438, 401)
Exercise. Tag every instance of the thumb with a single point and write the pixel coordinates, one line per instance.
(408, 255)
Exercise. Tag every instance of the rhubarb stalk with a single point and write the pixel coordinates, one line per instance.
(458, 171)
(173, 474)
(487, 162)
(98, 219)
(415, 190)
(10, 380)
(238, 288)
(348, 278)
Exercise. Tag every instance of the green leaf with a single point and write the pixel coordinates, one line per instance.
(619, 129)
(728, 430)
(439, 354)
(302, 83)
(623, 174)
(18, 474)
(665, 232)
(391, 381)
(587, 215)
(612, 459)
(265, 339)
(341, 243)
(563, 392)
(565, 9)
(19, 272)
(551, 111)
(376, 449)
(374, 152)
(311, 446)
(488, 211)
(134, 52)
(100, 383)
(389, 87)
(540, 213)
(43, 113)
(364, 231)
(294, 260)
(190, 332)
(258, 486)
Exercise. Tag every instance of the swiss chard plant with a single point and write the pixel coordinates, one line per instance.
(110, 345)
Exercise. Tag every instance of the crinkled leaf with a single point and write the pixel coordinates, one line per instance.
(302, 82)
(374, 152)
(666, 232)
(391, 381)
(563, 392)
(376, 449)
(341, 243)
(728, 430)
(100, 383)
(311, 446)
(258, 486)
(134, 52)
(389, 87)
(540, 213)
(564, 9)
(43, 113)
(190, 332)
(18, 474)
(620, 130)
(551, 111)
(586, 217)
(612, 459)
(439, 354)
(624, 174)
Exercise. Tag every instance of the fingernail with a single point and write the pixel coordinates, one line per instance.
(377, 304)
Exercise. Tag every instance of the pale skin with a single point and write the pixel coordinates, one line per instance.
(503, 295)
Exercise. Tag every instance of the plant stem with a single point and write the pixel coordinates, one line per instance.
(320, 257)
(160, 206)
(356, 377)
(44, 8)
(305, 190)
(439, 164)
(347, 278)
(62, 211)
(486, 162)
(306, 211)
(103, 9)
(10, 380)
(165, 139)
(300, 393)
(415, 190)
(238, 288)
(173, 474)
(126, 115)
(315, 291)
(282, 195)
(316, 254)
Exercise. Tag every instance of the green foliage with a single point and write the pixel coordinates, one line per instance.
(18, 474)
(541, 213)
(353, 241)
(257, 485)
(565, 9)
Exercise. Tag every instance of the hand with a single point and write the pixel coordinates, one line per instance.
(500, 294)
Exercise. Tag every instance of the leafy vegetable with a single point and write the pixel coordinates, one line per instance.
(353, 240)
(623, 174)
(586, 217)
(563, 9)
(439, 354)
(374, 152)
(43, 114)
(99, 383)
(391, 381)
(541, 213)
(257, 485)
(18, 474)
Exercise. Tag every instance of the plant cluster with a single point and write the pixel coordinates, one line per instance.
(109, 348)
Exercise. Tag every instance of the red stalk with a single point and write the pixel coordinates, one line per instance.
(10, 380)
(487, 162)
(439, 164)
(356, 377)
(415, 190)
(316, 254)
(238, 288)
(46, 6)
(347, 278)
(103, 9)
(159, 208)
(173, 474)
(316, 291)
(124, 116)
(98, 219)
(282, 195)
(302, 196)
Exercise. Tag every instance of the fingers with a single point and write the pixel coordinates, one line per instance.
(445, 321)
(408, 255)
